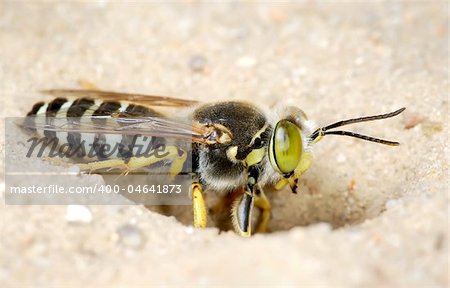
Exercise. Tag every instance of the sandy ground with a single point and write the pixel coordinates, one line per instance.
(367, 215)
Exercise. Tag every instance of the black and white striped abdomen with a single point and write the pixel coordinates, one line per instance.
(86, 110)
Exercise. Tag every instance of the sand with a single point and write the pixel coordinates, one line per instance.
(366, 215)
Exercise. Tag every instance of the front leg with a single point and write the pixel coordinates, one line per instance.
(243, 207)
(263, 204)
(198, 205)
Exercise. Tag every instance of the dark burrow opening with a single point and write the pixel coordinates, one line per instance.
(324, 196)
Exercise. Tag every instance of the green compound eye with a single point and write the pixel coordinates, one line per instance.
(285, 149)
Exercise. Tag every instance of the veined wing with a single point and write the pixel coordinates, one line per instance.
(119, 124)
(150, 100)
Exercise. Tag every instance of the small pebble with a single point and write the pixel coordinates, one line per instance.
(351, 186)
(300, 71)
(189, 230)
(412, 119)
(359, 61)
(74, 170)
(278, 15)
(246, 62)
(321, 227)
(341, 158)
(131, 236)
(392, 203)
(78, 214)
(197, 63)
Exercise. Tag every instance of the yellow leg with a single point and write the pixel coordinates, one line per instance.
(281, 184)
(198, 205)
(263, 204)
(177, 164)
(305, 163)
(134, 163)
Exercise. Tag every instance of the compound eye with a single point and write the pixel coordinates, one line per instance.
(285, 147)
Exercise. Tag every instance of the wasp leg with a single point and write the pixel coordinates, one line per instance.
(243, 207)
(242, 214)
(263, 204)
(177, 164)
(198, 205)
(305, 163)
(134, 163)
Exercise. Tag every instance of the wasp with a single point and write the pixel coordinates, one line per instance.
(237, 147)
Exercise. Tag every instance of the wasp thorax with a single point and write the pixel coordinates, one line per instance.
(285, 148)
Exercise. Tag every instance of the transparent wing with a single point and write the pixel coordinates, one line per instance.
(120, 123)
(150, 100)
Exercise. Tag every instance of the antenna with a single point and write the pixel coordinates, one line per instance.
(319, 133)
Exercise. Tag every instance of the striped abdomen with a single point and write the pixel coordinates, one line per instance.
(86, 110)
